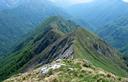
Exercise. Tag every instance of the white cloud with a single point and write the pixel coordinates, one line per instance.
(70, 2)
(79, 1)
(125, 1)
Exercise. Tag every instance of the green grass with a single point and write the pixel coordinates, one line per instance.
(83, 50)
(76, 70)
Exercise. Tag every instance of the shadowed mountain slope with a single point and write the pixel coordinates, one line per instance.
(16, 22)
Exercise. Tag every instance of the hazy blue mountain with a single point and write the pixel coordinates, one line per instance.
(116, 33)
(19, 20)
(8, 4)
(2, 5)
(98, 12)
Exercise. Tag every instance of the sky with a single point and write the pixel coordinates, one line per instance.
(68, 3)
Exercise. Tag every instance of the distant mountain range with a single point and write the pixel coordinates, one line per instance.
(8, 4)
(19, 20)
(99, 12)
(116, 32)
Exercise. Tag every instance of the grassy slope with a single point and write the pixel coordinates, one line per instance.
(73, 71)
(110, 62)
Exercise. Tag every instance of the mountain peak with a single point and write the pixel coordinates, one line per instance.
(59, 23)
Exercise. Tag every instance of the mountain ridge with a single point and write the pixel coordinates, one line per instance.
(62, 38)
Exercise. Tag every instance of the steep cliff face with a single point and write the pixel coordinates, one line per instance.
(58, 38)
